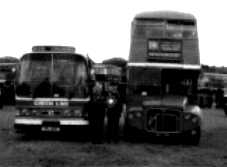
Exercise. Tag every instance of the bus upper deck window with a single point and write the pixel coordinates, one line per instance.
(181, 29)
(189, 32)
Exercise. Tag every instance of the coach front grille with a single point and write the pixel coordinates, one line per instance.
(163, 120)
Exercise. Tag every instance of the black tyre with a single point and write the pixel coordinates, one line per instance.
(192, 137)
(133, 134)
(195, 138)
(128, 132)
(225, 110)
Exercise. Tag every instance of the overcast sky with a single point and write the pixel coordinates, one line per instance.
(101, 28)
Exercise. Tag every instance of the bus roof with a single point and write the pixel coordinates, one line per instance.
(36, 54)
(53, 49)
(50, 48)
(164, 15)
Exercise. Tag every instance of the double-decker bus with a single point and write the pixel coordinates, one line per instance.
(52, 90)
(162, 74)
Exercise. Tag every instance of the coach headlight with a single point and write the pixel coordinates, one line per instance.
(34, 112)
(24, 112)
(77, 113)
(67, 112)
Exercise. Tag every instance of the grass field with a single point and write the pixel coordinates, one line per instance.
(16, 151)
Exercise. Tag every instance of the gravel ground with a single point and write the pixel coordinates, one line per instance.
(18, 151)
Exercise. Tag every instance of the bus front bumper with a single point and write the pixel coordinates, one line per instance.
(46, 125)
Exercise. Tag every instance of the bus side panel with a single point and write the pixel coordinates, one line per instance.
(140, 35)
(191, 51)
(138, 52)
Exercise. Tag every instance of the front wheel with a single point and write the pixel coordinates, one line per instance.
(128, 132)
(193, 137)
(225, 110)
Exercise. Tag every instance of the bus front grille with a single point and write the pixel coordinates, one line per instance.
(163, 121)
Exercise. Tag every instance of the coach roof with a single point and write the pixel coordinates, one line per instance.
(164, 15)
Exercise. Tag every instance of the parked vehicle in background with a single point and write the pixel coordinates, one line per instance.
(52, 90)
(211, 88)
(111, 77)
(225, 101)
(8, 68)
(122, 64)
(163, 71)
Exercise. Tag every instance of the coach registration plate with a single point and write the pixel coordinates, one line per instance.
(50, 126)
(50, 129)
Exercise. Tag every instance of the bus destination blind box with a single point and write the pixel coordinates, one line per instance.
(59, 49)
(164, 50)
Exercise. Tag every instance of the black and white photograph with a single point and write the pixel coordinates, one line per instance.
(113, 83)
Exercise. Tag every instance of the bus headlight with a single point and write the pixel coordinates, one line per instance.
(138, 114)
(194, 120)
(191, 117)
(187, 116)
(130, 116)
